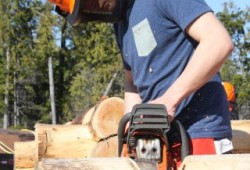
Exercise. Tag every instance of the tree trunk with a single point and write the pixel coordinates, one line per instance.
(110, 84)
(52, 91)
(6, 95)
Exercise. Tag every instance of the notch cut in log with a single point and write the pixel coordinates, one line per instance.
(63, 141)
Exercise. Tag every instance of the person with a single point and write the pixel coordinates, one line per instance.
(231, 98)
(172, 52)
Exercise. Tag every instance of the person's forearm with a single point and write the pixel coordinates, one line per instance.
(130, 100)
(204, 64)
(131, 96)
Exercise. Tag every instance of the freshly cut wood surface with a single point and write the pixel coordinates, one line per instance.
(24, 157)
(89, 164)
(89, 114)
(106, 117)
(241, 136)
(106, 148)
(214, 162)
(63, 141)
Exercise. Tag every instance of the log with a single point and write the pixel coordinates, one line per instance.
(62, 141)
(24, 157)
(221, 162)
(241, 136)
(106, 148)
(88, 115)
(89, 164)
(103, 119)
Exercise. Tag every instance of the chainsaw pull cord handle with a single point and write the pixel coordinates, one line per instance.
(121, 131)
(185, 150)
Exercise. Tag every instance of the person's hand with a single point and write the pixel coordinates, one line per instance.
(170, 107)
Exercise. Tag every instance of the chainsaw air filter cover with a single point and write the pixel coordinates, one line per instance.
(94, 10)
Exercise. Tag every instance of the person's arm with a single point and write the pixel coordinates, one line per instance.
(214, 47)
(131, 95)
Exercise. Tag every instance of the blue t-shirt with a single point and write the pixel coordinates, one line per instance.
(156, 49)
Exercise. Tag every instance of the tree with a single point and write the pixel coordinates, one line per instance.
(5, 61)
(97, 59)
(236, 70)
(45, 52)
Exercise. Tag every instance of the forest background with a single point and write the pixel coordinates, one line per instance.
(51, 72)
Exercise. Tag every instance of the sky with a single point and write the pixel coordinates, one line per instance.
(217, 5)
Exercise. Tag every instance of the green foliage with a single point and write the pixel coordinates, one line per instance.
(236, 70)
(97, 59)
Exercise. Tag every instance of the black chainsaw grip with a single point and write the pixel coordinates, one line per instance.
(121, 131)
(184, 139)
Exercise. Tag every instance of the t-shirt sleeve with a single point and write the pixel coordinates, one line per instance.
(119, 42)
(184, 12)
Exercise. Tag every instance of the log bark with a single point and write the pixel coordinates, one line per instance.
(89, 164)
(24, 157)
(63, 141)
(221, 162)
(241, 136)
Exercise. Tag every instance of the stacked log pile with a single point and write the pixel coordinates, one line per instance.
(80, 138)
(79, 142)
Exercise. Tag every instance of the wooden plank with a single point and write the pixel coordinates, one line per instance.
(89, 164)
(214, 162)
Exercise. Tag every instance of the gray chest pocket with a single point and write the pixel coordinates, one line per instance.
(144, 38)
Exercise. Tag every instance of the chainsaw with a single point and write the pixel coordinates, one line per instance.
(146, 139)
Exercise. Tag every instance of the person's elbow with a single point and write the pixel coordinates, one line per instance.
(223, 44)
(228, 46)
